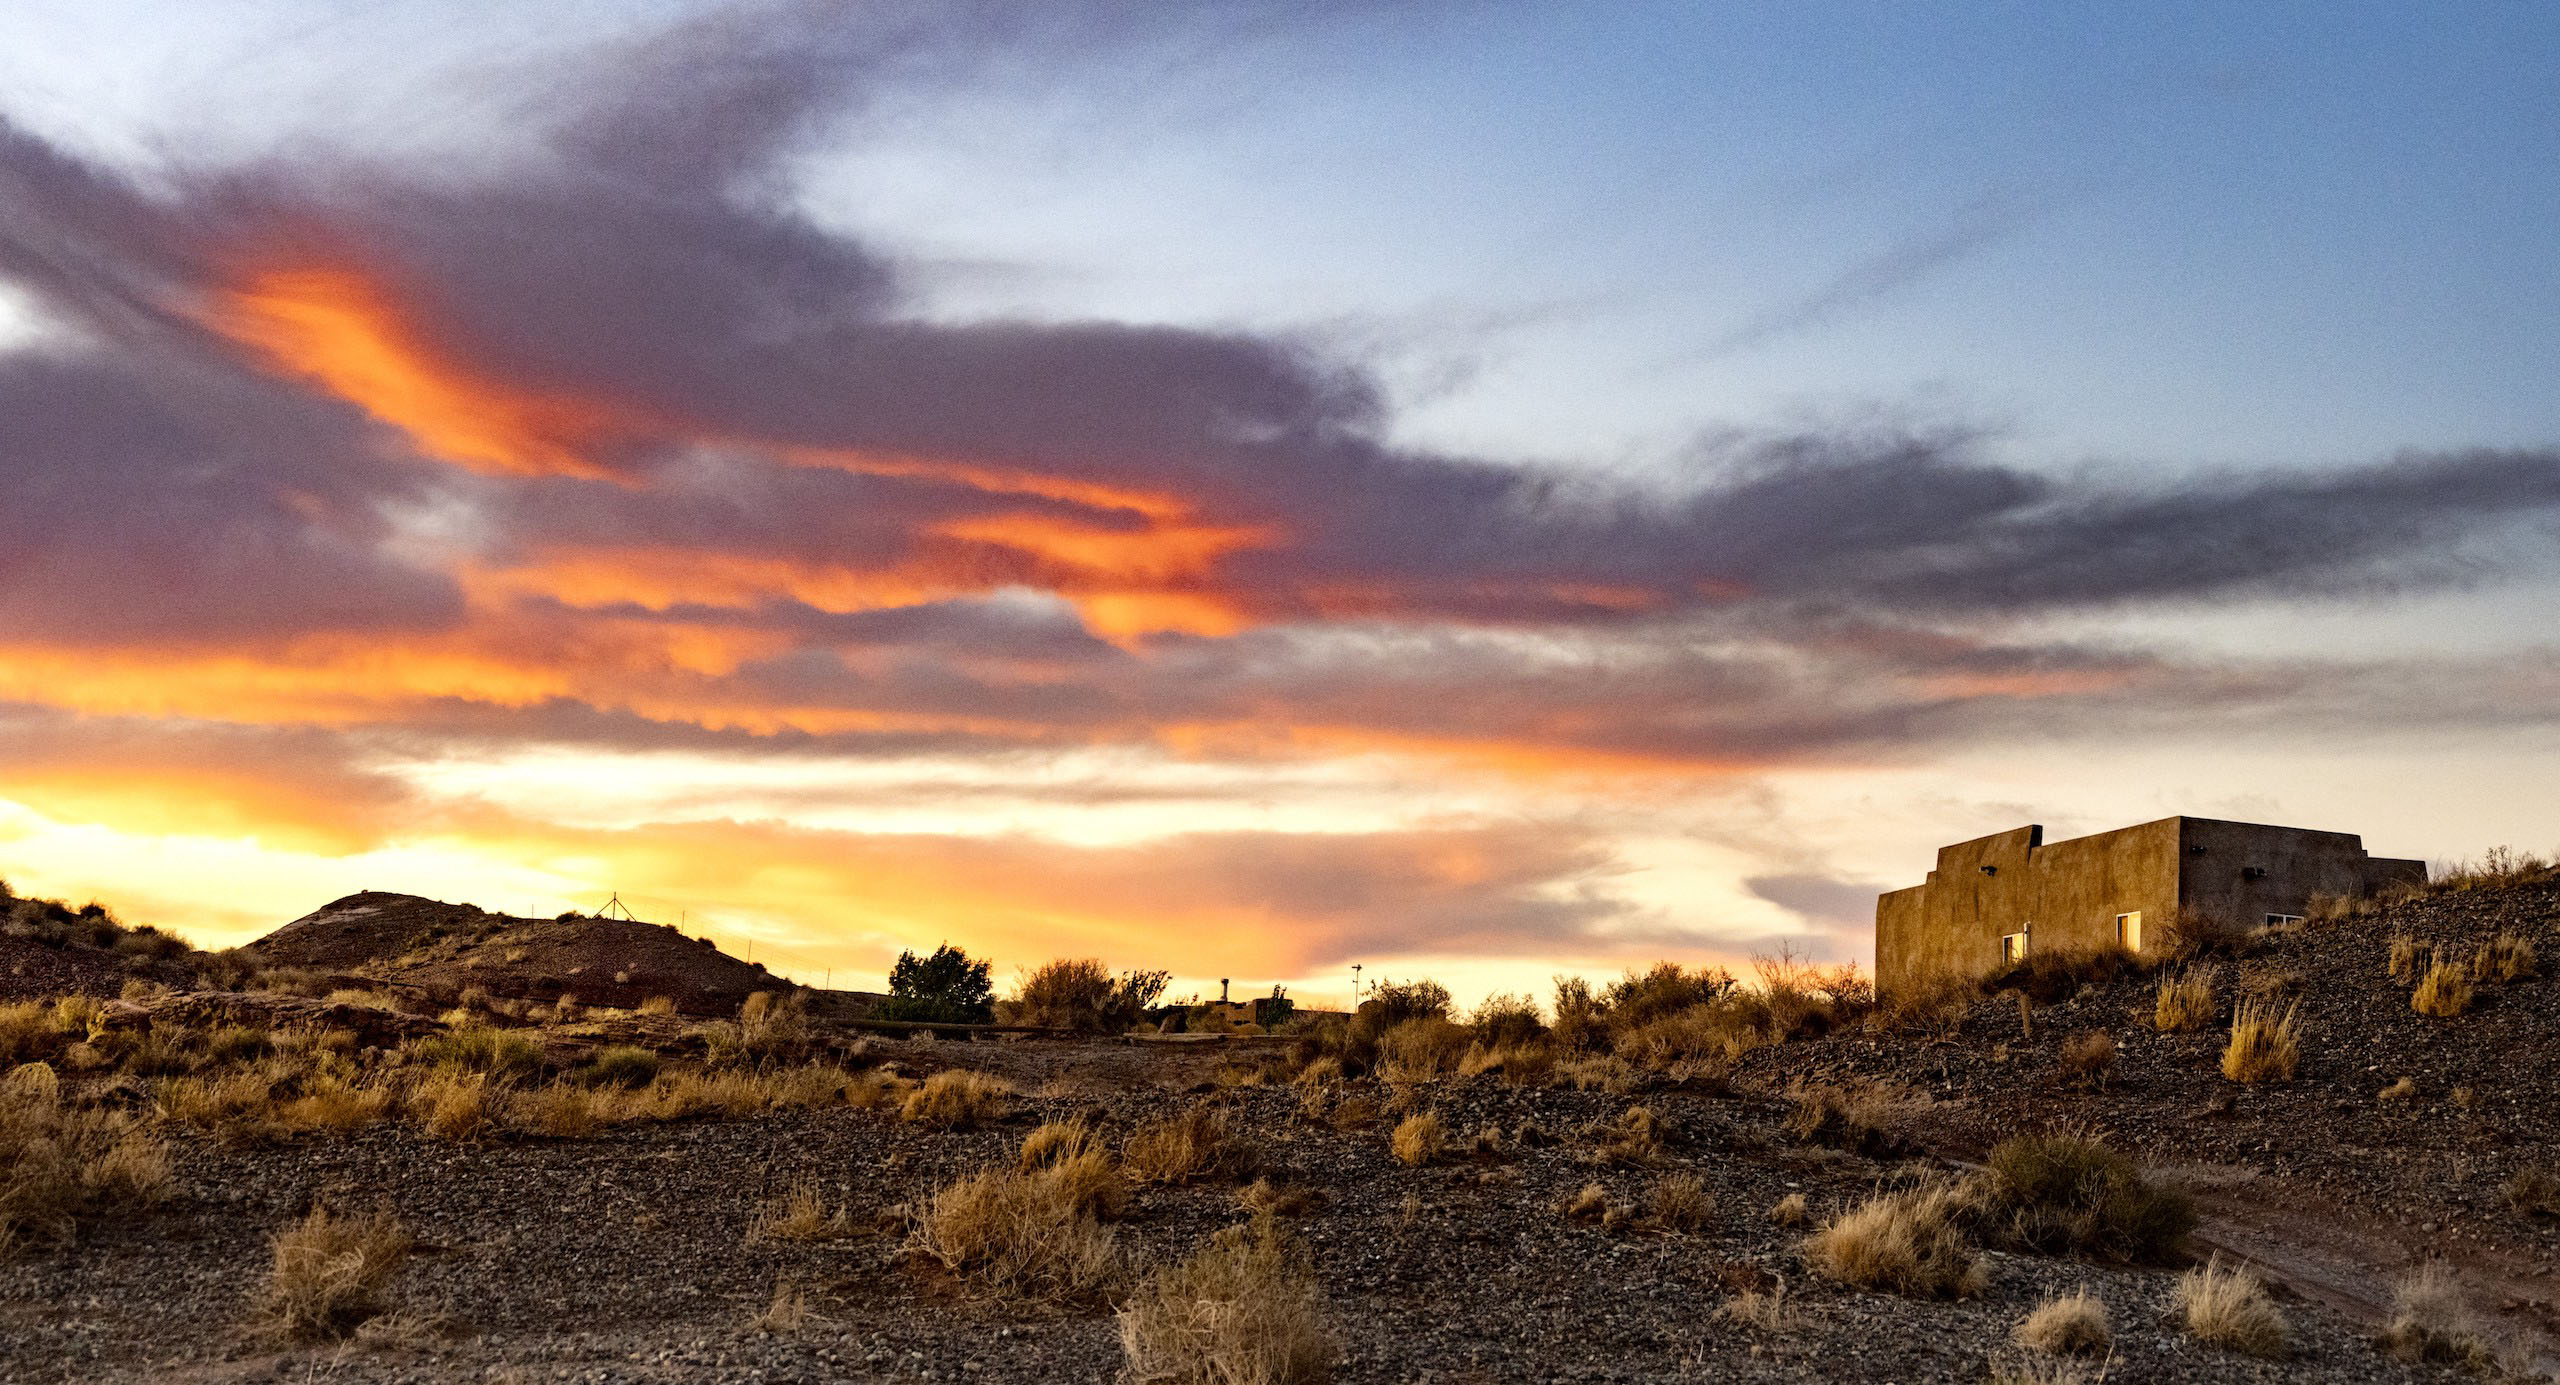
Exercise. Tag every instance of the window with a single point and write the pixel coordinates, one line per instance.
(2279, 920)
(2013, 947)
(2129, 931)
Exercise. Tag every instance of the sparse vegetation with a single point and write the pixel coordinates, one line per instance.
(2229, 1308)
(946, 987)
(2444, 992)
(771, 1028)
(331, 1274)
(1863, 1117)
(2265, 1046)
(1033, 1234)
(1243, 1310)
(2072, 1324)
(482, 1049)
(2508, 957)
(2087, 1059)
(1080, 993)
(62, 1166)
(2432, 1321)
(1910, 1241)
(1418, 1138)
(958, 1099)
(1790, 1210)
(1189, 1145)
(800, 1214)
(2067, 1194)
(2533, 1191)
(2185, 1001)
(2403, 961)
(1680, 1202)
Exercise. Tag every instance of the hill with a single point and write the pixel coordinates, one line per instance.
(50, 949)
(446, 949)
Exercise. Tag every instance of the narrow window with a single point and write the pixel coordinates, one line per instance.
(2129, 931)
(2013, 947)
(2278, 920)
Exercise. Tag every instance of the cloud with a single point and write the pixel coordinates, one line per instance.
(1980, 223)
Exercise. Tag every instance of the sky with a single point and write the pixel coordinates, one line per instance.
(1480, 490)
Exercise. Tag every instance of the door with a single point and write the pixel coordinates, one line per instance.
(2129, 931)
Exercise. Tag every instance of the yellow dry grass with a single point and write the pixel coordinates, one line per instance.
(2444, 992)
(2070, 1325)
(1030, 1234)
(1909, 1241)
(2265, 1046)
(1418, 1138)
(2185, 1001)
(2229, 1308)
(1243, 1310)
(62, 1167)
(331, 1274)
(1190, 1145)
(957, 1099)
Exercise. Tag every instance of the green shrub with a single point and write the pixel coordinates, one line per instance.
(481, 1048)
(2066, 1194)
(619, 1066)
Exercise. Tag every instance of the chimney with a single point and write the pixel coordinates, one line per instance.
(1222, 990)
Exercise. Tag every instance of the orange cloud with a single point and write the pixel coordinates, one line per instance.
(345, 332)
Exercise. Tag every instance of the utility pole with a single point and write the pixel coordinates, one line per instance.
(1355, 985)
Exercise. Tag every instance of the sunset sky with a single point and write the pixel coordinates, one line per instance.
(1478, 489)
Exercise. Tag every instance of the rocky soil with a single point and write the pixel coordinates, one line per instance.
(628, 1257)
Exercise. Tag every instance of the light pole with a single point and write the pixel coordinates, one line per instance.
(1355, 985)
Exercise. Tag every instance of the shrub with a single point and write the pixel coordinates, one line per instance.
(1423, 1048)
(1505, 1019)
(2072, 1325)
(1417, 1139)
(1581, 1020)
(946, 987)
(2087, 1058)
(1055, 1142)
(1527, 1063)
(62, 1167)
(1790, 1211)
(2506, 957)
(1587, 1205)
(480, 1048)
(2229, 1308)
(658, 1005)
(2265, 1046)
(800, 1214)
(2069, 1193)
(1701, 1037)
(1633, 1140)
(957, 1099)
(1906, 1242)
(2444, 992)
(560, 1110)
(1021, 1233)
(1860, 1117)
(619, 1066)
(453, 1105)
(1244, 1310)
(2404, 958)
(1192, 1144)
(1934, 1001)
(770, 1029)
(331, 1274)
(2431, 1321)
(1681, 1202)
(2533, 1191)
(2187, 934)
(2185, 1002)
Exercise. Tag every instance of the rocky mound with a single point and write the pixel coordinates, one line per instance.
(445, 949)
(49, 949)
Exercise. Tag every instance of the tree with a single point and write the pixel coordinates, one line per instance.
(945, 988)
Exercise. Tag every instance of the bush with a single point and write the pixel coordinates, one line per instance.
(2072, 1325)
(2265, 1046)
(1506, 1019)
(1640, 997)
(2444, 992)
(1907, 1242)
(2062, 1194)
(1193, 1144)
(1079, 993)
(2506, 957)
(1581, 1020)
(331, 1274)
(1030, 1233)
(1244, 1310)
(1422, 1048)
(945, 988)
(2185, 1002)
(2403, 961)
(2431, 1321)
(770, 1029)
(1681, 1202)
(480, 1048)
(2533, 1191)
(2087, 1059)
(1418, 1139)
(62, 1167)
(1862, 1118)
(957, 1099)
(2229, 1308)
(619, 1066)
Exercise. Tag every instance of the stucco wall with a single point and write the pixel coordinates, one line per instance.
(2066, 895)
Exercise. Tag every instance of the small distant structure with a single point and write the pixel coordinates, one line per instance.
(1994, 900)
(614, 908)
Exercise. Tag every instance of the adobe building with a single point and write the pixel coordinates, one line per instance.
(1993, 899)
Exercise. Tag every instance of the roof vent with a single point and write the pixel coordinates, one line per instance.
(1990, 870)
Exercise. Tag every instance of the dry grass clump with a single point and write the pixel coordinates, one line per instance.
(2506, 957)
(2402, 1090)
(62, 1166)
(2087, 1059)
(1055, 1142)
(1418, 1139)
(1189, 1145)
(786, 1313)
(658, 1005)
(2229, 1308)
(1590, 1204)
(800, 1214)
(1909, 1241)
(2072, 1325)
(1681, 1202)
(331, 1274)
(1633, 1140)
(2265, 1046)
(2432, 1321)
(561, 1111)
(958, 1099)
(1422, 1048)
(480, 1048)
(1264, 1198)
(2063, 1194)
(455, 1105)
(770, 1029)
(1527, 1063)
(1790, 1210)
(1765, 1309)
(1243, 1310)
(2444, 992)
(2533, 1191)
(2185, 1001)
(2403, 962)
(1081, 993)
(618, 1065)
(1033, 1234)
(1861, 1117)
